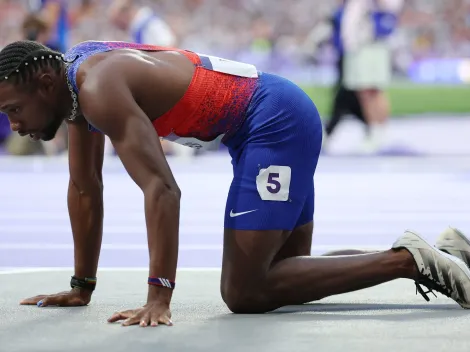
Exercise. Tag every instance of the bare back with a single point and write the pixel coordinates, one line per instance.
(192, 99)
(160, 81)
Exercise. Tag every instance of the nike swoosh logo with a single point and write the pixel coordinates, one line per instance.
(233, 215)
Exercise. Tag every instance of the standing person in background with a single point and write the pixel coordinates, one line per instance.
(145, 27)
(345, 100)
(142, 23)
(54, 14)
(365, 27)
(82, 12)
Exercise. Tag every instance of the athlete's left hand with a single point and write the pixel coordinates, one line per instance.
(153, 314)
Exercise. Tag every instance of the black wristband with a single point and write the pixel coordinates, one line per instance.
(87, 283)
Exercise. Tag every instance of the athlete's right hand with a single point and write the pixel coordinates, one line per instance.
(72, 298)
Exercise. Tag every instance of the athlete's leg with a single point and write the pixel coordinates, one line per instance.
(271, 201)
(251, 284)
(264, 270)
(299, 242)
(347, 252)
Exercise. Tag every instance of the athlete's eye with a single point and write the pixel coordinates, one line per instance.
(11, 110)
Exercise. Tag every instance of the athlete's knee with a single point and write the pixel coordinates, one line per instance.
(242, 298)
(246, 301)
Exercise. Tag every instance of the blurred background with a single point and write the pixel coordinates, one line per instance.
(423, 107)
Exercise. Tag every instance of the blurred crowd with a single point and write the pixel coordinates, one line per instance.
(274, 36)
(240, 28)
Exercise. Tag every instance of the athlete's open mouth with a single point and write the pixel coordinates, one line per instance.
(32, 135)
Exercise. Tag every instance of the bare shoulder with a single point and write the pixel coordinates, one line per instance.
(107, 85)
(111, 68)
(106, 95)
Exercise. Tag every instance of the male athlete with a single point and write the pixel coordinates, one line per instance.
(136, 93)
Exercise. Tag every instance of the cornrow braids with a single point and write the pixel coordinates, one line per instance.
(20, 60)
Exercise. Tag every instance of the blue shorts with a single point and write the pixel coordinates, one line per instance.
(274, 157)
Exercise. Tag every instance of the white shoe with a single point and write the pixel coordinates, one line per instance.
(438, 270)
(454, 242)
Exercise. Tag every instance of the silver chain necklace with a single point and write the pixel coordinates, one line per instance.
(73, 113)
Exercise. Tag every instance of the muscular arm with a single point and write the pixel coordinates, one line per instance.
(109, 105)
(85, 196)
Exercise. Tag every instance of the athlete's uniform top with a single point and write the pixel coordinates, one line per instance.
(270, 126)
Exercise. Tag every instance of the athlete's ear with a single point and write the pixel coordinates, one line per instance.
(45, 84)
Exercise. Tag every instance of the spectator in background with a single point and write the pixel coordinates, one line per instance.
(55, 15)
(345, 100)
(35, 28)
(365, 28)
(142, 23)
(84, 10)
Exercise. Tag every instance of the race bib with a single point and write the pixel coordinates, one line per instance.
(230, 67)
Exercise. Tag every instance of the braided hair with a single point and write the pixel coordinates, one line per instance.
(19, 61)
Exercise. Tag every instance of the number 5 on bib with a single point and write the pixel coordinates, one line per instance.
(273, 183)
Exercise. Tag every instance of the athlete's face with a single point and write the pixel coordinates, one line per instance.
(32, 111)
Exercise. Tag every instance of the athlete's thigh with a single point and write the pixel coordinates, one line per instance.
(247, 257)
(273, 182)
(267, 197)
(269, 189)
(299, 242)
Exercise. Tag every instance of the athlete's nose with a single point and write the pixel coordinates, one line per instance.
(15, 126)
